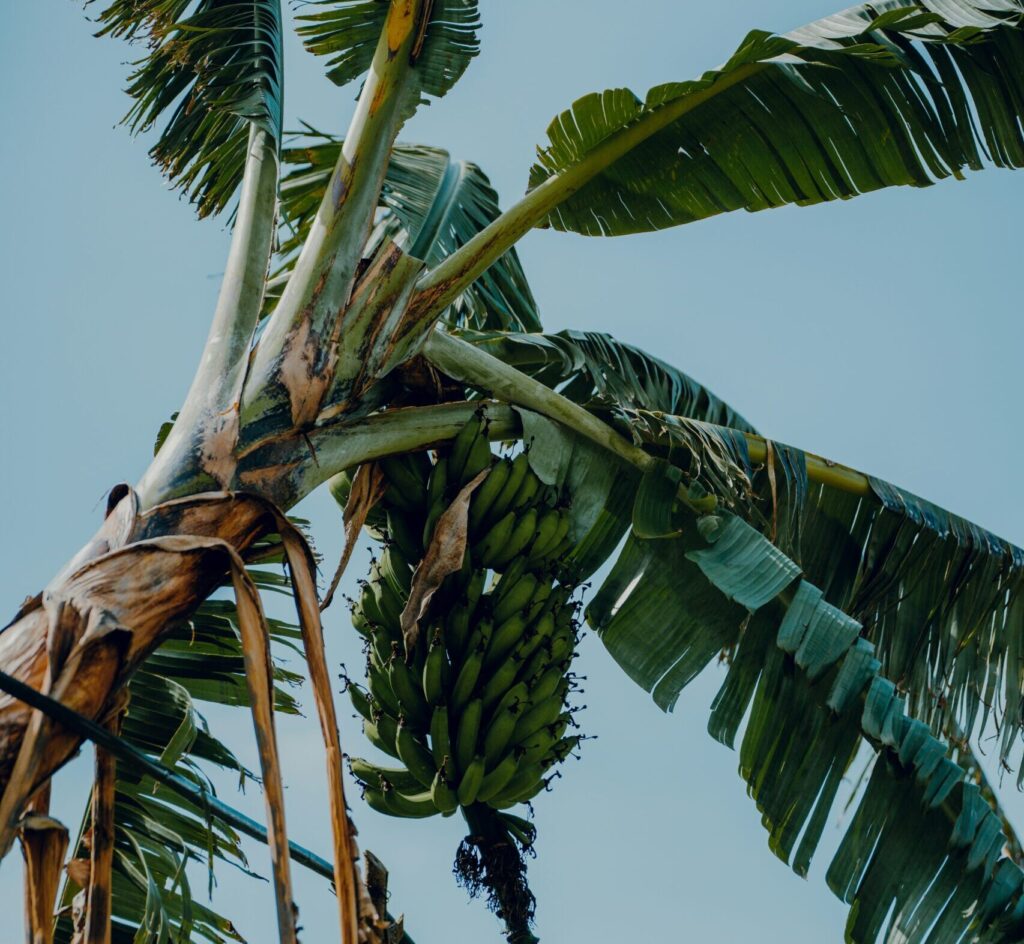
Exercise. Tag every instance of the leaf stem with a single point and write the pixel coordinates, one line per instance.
(212, 398)
(302, 331)
(439, 287)
(474, 366)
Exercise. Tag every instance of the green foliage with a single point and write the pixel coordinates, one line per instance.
(439, 203)
(348, 30)
(907, 592)
(215, 67)
(605, 374)
(897, 93)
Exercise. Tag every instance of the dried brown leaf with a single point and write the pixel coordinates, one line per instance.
(443, 557)
(367, 489)
(43, 844)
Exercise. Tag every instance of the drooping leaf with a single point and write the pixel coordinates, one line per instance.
(941, 599)
(883, 94)
(434, 203)
(156, 831)
(602, 373)
(214, 67)
(922, 854)
(348, 30)
(808, 673)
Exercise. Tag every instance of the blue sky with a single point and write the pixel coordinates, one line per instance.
(883, 333)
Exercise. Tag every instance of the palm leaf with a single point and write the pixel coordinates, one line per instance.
(884, 94)
(436, 203)
(607, 375)
(348, 30)
(923, 850)
(215, 68)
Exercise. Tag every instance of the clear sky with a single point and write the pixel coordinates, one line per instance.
(881, 333)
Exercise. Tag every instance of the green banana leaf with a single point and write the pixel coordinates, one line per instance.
(348, 30)
(923, 852)
(216, 68)
(436, 202)
(605, 374)
(883, 94)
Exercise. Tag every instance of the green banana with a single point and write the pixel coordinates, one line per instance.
(527, 491)
(563, 748)
(380, 687)
(474, 590)
(499, 735)
(515, 598)
(360, 701)
(359, 621)
(381, 733)
(414, 754)
(539, 602)
(406, 490)
(561, 533)
(443, 795)
(523, 830)
(546, 685)
(435, 512)
(440, 738)
(538, 745)
(367, 605)
(396, 571)
(487, 492)
(496, 781)
(469, 784)
(438, 482)
(479, 458)
(461, 446)
(434, 671)
(380, 650)
(504, 639)
(409, 692)
(468, 734)
(529, 651)
(495, 539)
(539, 716)
(530, 792)
(561, 646)
(396, 803)
(503, 503)
(516, 697)
(526, 778)
(499, 683)
(547, 528)
(372, 774)
(457, 630)
(406, 533)
(526, 526)
(390, 606)
(465, 681)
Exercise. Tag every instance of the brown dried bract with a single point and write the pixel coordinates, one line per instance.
(444, 556)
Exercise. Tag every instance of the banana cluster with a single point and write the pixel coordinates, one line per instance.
(477, 713)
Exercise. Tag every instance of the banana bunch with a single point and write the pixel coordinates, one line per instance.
(477, 713)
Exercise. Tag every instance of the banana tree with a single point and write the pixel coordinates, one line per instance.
(374, 334)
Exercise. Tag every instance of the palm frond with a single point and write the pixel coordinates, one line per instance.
(215, 68)
(607, 375)
(432, 202)
(883, 94)
(941, 598)
(923, 850)
(348, 30)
